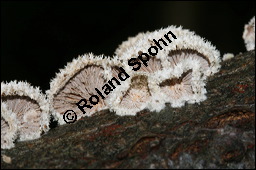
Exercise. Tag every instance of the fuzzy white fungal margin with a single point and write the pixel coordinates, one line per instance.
(79, 80)
(249, 35)
(29, 105)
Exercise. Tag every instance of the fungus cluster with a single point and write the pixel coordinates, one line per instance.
(175, 75)
(126, 83)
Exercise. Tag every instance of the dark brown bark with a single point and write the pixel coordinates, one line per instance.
(217, 133)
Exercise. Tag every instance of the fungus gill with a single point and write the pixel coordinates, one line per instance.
(77, 81)
(30, 107)
(9, 127)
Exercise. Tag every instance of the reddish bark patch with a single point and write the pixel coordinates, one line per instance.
(235, 118)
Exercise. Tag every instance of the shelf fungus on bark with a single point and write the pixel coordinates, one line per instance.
(9, 127)
(249, 35)
(30, 107)
(131, 97)
(185, 61)
(80, 79)
(134, 94)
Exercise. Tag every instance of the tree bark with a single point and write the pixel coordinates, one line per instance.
(217, 133)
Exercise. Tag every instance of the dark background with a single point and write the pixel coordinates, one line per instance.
(38, 38)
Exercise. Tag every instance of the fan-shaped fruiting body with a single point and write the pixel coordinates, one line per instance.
(82, 86)
(9, 127)
(30, 107)
(249, 35)
(178, 64)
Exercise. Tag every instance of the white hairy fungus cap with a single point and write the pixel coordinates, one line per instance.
(131, 97)
(30, 107)
(177, 91)
(134, 94)
(121, 94)
(9, 127)
(77, 81)
(249, 35)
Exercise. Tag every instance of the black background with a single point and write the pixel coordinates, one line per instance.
(40, 37)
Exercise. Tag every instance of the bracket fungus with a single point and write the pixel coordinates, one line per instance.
(249, 35)
(80, 81)
(29, 106)
(131, 97)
